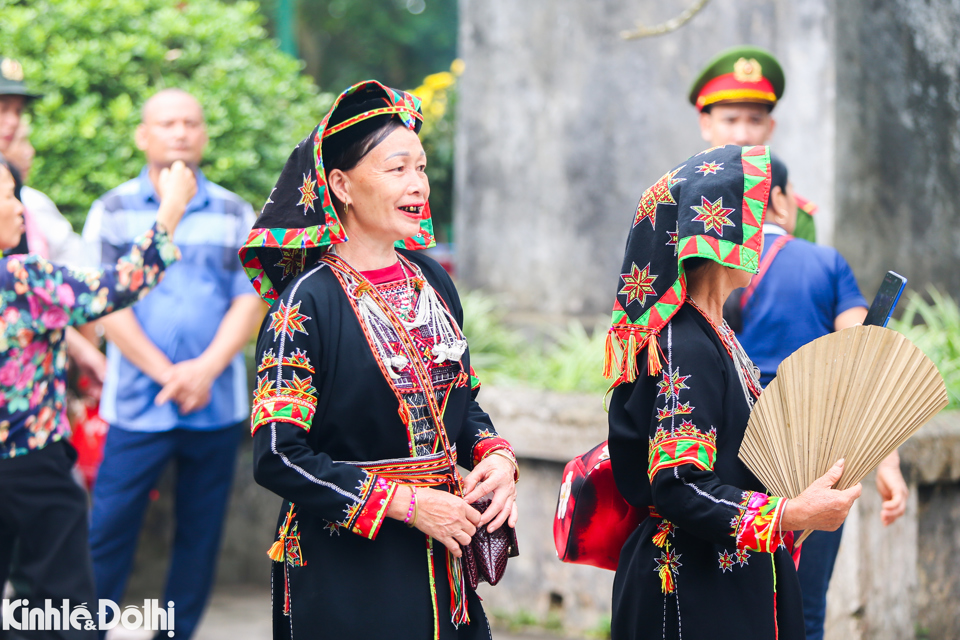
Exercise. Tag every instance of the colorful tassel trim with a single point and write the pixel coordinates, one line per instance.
(362, 288)
(666, 580)
(664, 529)
(668, 563)
(458, 591)
(279, 548)
(623, 367)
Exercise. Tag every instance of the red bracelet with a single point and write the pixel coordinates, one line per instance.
(411, 518)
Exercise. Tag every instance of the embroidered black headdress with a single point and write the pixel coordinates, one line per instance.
(711, 206)
(298, 221)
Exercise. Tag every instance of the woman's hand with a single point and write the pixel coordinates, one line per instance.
(893, 489)
(441, 515)
(494, 473)
(820, 506)
(176, 186)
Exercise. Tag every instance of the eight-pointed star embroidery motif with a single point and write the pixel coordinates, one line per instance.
(308, 193)
(726, 561)
(287, 320)
(291, 261)
(710, 168)
(638, 284)
(713, 215)
(656, 195)
(672, 383)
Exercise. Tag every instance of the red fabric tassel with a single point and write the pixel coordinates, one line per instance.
(458, 591)
(660, 537)
(666, 580)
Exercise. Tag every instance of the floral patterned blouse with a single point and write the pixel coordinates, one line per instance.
(38, 300)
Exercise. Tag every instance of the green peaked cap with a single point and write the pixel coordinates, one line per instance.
(726, 63)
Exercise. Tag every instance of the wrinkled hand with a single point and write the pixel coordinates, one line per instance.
(820, 506)
(494, 473)
(892, 488)
(442, 516)
(187, 384)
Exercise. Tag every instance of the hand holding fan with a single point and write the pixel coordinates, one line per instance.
(856, 394)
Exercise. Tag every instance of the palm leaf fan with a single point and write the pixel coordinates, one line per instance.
(856, 394)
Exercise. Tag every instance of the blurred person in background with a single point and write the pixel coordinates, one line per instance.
(44, 511)
(735, 94)
(60, 243)
(51, 236)
(176, 382)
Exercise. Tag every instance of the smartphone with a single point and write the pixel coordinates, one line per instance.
(887, 297)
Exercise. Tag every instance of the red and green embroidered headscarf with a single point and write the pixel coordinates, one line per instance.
(711, 206)
(299, 222)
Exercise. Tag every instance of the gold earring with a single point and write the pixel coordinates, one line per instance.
(346, 207)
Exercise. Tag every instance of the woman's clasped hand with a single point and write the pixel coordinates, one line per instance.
(450, 519)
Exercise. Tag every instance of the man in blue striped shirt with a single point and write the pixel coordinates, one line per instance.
(176, 382)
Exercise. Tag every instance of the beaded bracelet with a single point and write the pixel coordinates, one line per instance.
(411, 518)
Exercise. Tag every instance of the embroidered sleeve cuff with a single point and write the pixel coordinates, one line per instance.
(683, 445)
(365, 517)
(487, 444)
(758, 526)
(295, 402)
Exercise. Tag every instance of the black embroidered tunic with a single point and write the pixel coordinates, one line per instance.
(709, 563)
(323, 411)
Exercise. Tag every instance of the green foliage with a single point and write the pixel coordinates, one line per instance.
(564, 360)
(934, 327)
(97, 61)
(519, 620)
(395, 41)
(600, 631)
(438, 93)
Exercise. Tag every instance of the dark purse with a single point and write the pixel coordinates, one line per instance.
(485, 558)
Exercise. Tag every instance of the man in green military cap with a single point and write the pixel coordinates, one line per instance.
(735, 94)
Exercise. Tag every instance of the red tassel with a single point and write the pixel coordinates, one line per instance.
(660, 537)
(666, 580)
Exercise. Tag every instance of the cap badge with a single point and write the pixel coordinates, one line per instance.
(11, 70)
(747, 70)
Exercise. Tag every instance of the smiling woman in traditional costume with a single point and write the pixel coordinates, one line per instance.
(712, 560)
(365, 400)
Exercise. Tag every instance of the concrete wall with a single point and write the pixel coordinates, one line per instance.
(898, 142)
(562, 125)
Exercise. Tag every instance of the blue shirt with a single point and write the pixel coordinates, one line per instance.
(182, 315)
(806, 287)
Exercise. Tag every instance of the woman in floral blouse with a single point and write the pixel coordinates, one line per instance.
(42, 506)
